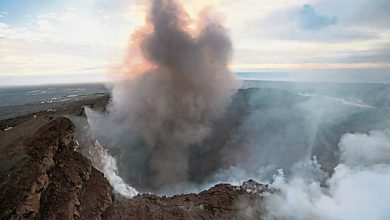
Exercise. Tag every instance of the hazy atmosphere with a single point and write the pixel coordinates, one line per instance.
(307, 40)
(176, 109)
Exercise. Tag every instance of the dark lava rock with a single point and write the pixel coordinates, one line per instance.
(42, 176)
(222, 201)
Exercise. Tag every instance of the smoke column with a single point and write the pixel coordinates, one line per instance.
(167, 123)
(173, 85)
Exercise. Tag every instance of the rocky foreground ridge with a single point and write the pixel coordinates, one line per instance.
(43, 176)
(223, 201)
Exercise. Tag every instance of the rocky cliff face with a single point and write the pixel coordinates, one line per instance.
(44, 177)
(222, 201)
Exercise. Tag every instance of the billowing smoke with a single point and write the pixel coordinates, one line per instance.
(280, 127)
(358, 188)
(177, 121)
(174, 85)
(327, 153)
(366, 149)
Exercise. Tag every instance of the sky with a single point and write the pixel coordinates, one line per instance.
(59, 41)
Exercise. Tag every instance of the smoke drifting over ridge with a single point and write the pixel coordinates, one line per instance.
(358, 188)
(175, 84)
(176, 119)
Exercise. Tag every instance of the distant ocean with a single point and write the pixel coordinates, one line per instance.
(21, 95)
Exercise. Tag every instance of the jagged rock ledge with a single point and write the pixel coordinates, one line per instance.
(43, 176)
(223, 201)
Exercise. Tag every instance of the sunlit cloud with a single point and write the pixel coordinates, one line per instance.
(64, 37)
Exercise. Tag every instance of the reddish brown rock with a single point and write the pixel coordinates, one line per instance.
(222, 201)
(42, 175)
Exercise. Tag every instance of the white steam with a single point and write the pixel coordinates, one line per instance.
(358, 189)
(366, 149)
(108, 166)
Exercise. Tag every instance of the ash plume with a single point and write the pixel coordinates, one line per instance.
(173, 85)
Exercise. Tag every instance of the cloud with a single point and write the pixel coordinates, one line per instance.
(52, 79)
(311, 20)
(305, 24)
(333, 35)
(3, 26)
(268, 32)
(373, 14)
(353, 194)
(63, 41)
(376, 54)
(374, 147)
(357, 189)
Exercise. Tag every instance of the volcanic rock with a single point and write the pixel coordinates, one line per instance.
(42, 176)
(223, 201)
